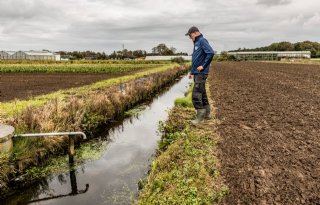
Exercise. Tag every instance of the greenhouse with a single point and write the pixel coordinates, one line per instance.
(269, 55)
(29, 55)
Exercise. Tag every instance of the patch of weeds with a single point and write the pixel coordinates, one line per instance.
(90, 121)
(92, 150)
(134, 111)
(25, 147)
(187, 100)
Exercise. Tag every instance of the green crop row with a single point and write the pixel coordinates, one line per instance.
(73, 68)
(132, 62)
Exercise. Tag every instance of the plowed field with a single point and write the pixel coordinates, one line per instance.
(270, 131)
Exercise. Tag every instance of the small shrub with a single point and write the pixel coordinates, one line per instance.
(178, 60)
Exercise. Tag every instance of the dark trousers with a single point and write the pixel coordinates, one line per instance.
(199, 94)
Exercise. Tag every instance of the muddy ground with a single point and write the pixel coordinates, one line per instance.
(26, 85)
(270, 131)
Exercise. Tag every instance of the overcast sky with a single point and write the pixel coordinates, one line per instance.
(104, 25)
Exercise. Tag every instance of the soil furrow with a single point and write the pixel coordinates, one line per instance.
(270, 139)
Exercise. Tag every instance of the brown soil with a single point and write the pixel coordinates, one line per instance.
(25, 85)
(270, 131)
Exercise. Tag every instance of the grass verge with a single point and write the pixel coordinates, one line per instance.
(185, 169)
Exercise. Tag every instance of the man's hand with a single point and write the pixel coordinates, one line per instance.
(200, 68)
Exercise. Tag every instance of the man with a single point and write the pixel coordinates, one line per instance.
(201, 59)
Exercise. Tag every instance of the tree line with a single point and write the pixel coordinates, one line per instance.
(313, 47)
(161, 49)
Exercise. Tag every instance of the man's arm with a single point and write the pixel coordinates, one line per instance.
(208, 50)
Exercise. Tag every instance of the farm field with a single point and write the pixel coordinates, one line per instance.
(269, 146)
(25, 85)
(21, 80)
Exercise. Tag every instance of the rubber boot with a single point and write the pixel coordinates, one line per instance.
(200, 116)
(207, 116)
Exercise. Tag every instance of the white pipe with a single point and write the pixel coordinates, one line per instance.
(51, 134)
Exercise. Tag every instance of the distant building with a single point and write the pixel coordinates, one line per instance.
(29, 55)
(6, 54)
(167, 57)
(269, 55)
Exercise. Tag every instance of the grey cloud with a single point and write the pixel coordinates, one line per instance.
(26, 9)
(273, 2)
(104, 25)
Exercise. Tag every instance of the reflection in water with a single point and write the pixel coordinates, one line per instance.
(74, 189)
(34, 193)
(123, 162)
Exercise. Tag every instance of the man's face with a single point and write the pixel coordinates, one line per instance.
(192, 36)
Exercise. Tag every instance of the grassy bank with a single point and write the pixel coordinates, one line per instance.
(84, 109)
(185, 169)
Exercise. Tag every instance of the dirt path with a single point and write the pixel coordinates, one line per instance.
(25, 85)
(270, 131)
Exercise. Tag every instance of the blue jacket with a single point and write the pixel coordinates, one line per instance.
(202, 55)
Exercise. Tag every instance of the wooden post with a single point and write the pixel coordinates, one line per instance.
(71, 149)
(73, 180)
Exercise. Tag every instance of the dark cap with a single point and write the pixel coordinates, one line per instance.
(192, 30)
